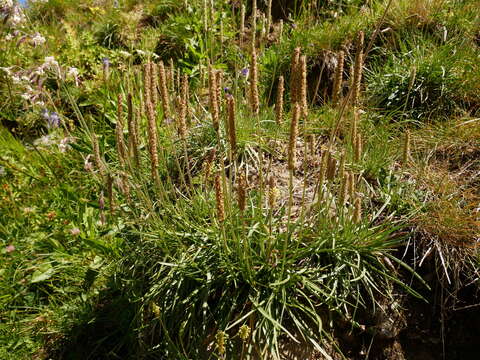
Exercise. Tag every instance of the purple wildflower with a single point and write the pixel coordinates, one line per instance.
(45, 114)
(226, 89)
(244, 72)
(53, 121)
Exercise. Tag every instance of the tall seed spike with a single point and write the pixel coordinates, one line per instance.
(164, 90)
(254, 20)
(338, 79)
(303, 86)
(357, 73)
(294, 75)
(293, 137)
(147, 74)
(332, 168)
(96, 154)
(219, 198)
(182, 123)
(279, 103)
(153, 85)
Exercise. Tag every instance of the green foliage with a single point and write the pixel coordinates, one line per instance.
(108, 35)
(182, 39)
(203, 277)
(425, 83)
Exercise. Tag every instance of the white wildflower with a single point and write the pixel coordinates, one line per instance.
(88, 164)
(45, 140)
(124, 53)
(38, 39)
(63, 145)
(28, 210)
(17, 17)
(16, 79)
(50, 61)
(72, 72)
(7, 70)
(39, 71)
(75, 231)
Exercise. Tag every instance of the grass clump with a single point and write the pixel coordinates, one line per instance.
(424, 83)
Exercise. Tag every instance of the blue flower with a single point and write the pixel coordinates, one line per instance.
(244, 72)
(54, 120)
(45, 114)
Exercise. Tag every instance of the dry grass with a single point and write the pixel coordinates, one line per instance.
(449, 226)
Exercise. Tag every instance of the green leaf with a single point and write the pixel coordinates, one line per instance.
(44, 272)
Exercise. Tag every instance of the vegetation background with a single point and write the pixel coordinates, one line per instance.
(239, 180)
